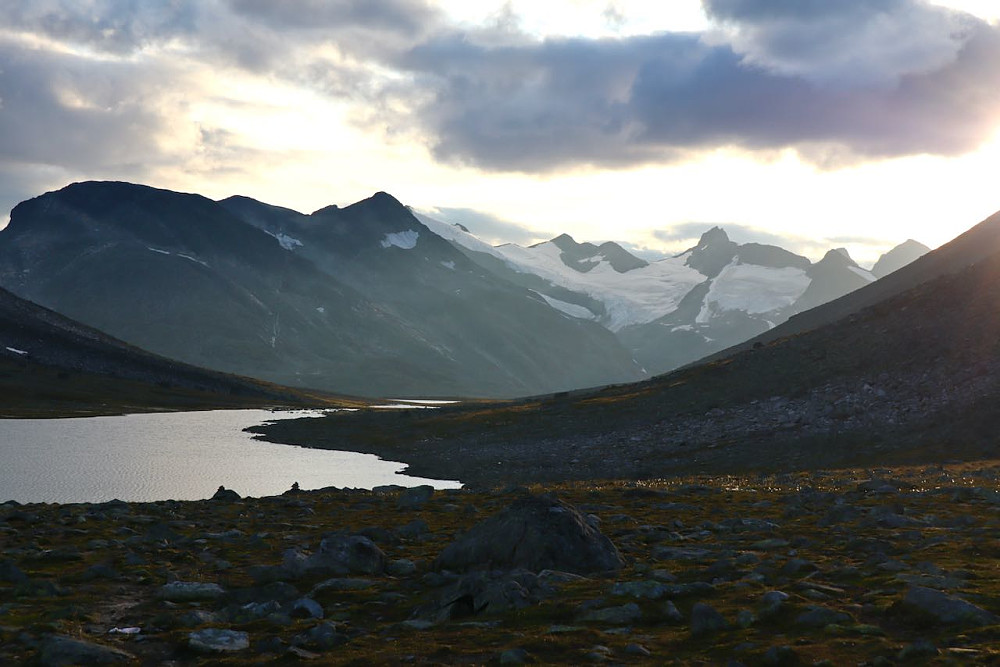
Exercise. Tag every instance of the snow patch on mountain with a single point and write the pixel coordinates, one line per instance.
(159, 252)
(635, 297)
(571, 309)
(456, 234)
(752, 289)
(867, 275)
(193, 259)
(17, 351)
(406, 240)
(285, 241)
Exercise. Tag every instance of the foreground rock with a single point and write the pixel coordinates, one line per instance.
(948, 609)
(58, 651)
(535, 533)
(213, 640)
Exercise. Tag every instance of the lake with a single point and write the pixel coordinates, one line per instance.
(177, 455)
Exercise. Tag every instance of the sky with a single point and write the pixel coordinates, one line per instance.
(806, 123)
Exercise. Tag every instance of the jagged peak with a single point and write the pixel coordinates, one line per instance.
(564, 242)
(838, 256)
(713, 236)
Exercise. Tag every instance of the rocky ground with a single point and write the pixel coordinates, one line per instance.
(890, 566)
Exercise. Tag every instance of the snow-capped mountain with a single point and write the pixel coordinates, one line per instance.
(369, 299)
(678, 309)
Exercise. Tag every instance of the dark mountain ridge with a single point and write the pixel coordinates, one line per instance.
(359, 300)
(912, 377)
(53, 366)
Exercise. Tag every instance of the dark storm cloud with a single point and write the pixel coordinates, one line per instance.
(489, 227)
(561, 103)
(403, 16)
(62, 119)
(56, 110)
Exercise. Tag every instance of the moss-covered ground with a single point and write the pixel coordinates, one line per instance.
(835, 540)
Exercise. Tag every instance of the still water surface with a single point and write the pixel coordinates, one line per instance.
(178, 455)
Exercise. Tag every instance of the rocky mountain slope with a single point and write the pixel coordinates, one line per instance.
(678, 309)
(361, 300)
(912, 377)
(53, 366)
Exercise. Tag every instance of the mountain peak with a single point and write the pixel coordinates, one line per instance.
(714, 251)
(906, 252)
(715, 236)
(564, 242)
(837, 256)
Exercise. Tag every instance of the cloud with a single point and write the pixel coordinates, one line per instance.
(838, 82)
(113, 26)
(559, 104)
(400, 16)
(490, 228)
(680, 237)
(847, 42)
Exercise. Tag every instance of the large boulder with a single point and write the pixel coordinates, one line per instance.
(483, 592)
(534, 533)
(346, 554)
(948, 609)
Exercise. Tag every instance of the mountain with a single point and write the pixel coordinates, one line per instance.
(905, 253)
(359, 300)
(53, 366)
(673, 311)
(904, 372)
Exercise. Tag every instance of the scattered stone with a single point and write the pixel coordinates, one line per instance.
(637, 650)
(414, 530)
(11, 573)
(57, 651)
(671, 612)
(321, 637)
(917, 650)
(190, 591)
(306, 608)
(415, 498)
(781, 655)
(346, 554)
(196, 617)
(513, 656)
(770, 544)
(483, 592)
(651, 590)
(948, 609)
(215, 640)
(681, 553)
(227, 495)
(534, 533)
(820, 617)
(339, 584)
(623, 615)
(401, 567)
(705, 620)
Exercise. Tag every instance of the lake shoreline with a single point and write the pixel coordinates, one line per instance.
(172, 455)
